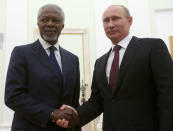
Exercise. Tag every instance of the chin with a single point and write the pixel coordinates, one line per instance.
(113, 37)
(50, 38)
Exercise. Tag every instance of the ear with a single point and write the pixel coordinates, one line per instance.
(38, 22)
(130, 20)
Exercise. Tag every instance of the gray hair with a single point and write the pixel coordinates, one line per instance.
(59, 10)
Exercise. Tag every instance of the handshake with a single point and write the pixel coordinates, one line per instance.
(66, 117)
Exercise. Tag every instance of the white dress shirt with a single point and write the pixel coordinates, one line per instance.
(46, 46)
(123, 43)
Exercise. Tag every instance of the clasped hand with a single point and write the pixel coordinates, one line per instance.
(66, 117)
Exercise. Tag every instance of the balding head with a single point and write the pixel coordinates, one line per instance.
(125, 9)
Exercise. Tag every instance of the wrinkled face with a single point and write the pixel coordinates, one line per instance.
(50, 25)
(116, 23)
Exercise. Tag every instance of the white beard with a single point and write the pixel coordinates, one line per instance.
(48, 38)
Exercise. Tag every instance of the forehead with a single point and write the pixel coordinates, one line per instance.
(114, 11)
(50, 11)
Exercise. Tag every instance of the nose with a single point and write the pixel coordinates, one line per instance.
(50, 23)
(111, 24)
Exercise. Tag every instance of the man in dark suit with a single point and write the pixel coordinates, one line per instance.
(42, 76)
(139, 95)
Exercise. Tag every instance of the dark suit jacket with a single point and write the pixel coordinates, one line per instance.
(143, 100)
(33, 88)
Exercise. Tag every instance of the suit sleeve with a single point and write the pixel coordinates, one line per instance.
(16, 95)
(77, 92)
(77, 87)
(94, 106)
(162, 69)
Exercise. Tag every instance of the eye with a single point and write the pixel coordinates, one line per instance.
(44, 20)
(56, 20)
(115, 18)
(106, 20)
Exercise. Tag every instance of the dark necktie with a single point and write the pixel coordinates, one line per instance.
(114, 69)
(55, 62)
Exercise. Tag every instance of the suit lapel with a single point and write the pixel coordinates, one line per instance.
(104, 78)
(65, 62)
(126, 61)
(42, 56)
(67, 69)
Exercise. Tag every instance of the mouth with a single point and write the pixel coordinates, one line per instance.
(112, 32)
(50, 32)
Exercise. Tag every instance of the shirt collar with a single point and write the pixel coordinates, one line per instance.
(46, 45)
(124, 42)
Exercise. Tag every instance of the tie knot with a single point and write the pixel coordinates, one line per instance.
(117, 48)
(52, 48)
